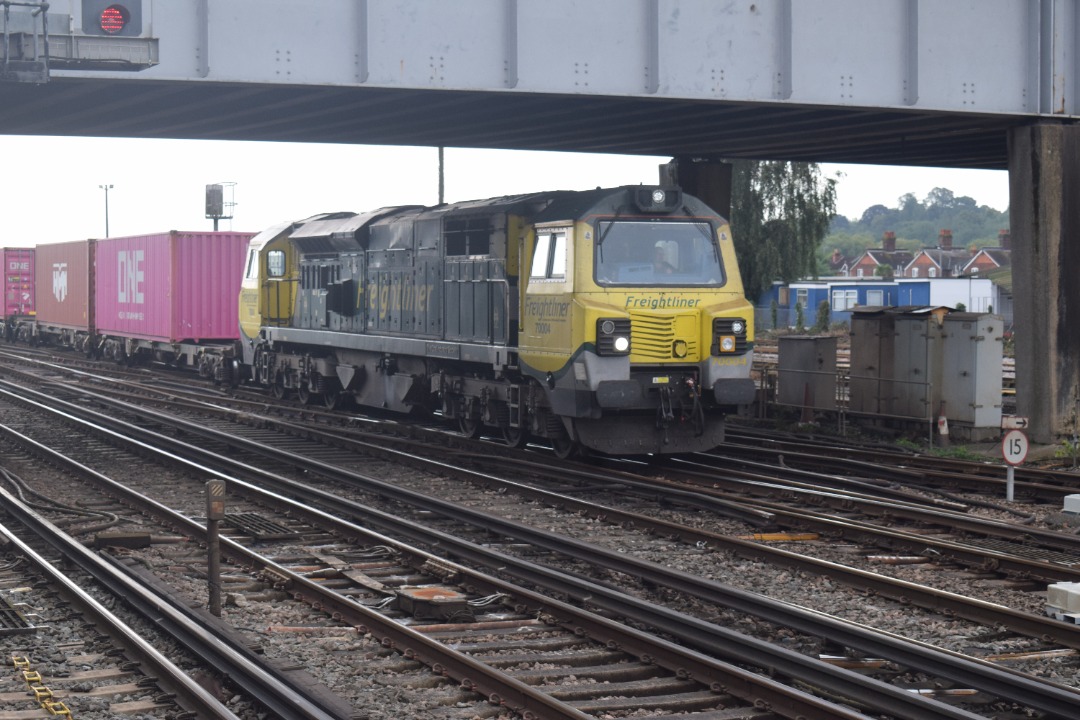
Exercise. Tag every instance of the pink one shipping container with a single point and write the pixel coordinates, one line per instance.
(170, 287)
(18, 281)
(64, 285)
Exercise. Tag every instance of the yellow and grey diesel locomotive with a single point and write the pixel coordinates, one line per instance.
(610, 319)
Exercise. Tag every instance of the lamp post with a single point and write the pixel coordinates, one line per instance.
(106, 188)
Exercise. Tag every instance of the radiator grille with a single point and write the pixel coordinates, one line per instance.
(654, 336)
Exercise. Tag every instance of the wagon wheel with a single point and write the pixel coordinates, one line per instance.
(304, 394)
(469, 426)
(515, 437)
(278, 390)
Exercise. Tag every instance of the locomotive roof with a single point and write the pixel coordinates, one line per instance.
(505, 203)
(270, 233)
(573, 205)
(551, 206)
(559, 205)
(611, 201)
(340, 223)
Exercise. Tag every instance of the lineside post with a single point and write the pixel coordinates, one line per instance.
(215, 513)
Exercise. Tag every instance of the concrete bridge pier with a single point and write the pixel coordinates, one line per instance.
(1044, 199)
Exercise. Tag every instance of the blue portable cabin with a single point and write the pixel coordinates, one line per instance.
(842, 294)
(847, 295)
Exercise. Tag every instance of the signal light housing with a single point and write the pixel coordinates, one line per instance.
(109, 18)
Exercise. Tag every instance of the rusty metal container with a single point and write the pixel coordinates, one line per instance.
(64, 284)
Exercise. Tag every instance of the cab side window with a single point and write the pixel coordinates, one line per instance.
(549, 257)
(275, 263)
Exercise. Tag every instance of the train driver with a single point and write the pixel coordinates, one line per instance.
(661, 266)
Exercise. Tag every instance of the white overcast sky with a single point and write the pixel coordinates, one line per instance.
(49, 187)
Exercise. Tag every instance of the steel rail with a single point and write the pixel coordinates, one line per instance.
(931, 512)
(969, 475)
(186, 692)
(1056, 700)
(533, 703)
(949, 603)
(1041, 627)
(474, 674)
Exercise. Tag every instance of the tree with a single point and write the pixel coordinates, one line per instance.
(885, 272)
(780, 212)
(940, 197)
(872, 212)
(821, 322)
(917, 224)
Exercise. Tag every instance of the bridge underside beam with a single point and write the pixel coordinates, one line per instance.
(1044, 184)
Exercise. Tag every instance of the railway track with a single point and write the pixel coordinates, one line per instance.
(649, 672)
(606, 562)
(69, 655)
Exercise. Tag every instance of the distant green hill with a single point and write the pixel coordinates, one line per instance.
(916, 225)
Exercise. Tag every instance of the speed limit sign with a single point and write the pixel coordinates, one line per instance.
(1014, 447)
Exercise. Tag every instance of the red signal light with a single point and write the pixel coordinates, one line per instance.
(114, 18)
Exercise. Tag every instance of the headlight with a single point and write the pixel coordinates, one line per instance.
(729, 336)
(613, 336)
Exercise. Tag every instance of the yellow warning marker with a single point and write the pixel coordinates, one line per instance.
(781, 537)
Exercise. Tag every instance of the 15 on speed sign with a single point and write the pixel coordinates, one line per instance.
(1014, 447)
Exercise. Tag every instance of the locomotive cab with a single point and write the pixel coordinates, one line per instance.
(635, 319)
(268, 287)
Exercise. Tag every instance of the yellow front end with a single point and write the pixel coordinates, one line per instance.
(268, 290)
(565, 305)
(638, 353)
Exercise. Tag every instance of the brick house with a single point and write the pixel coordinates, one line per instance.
(866, 264)
(942, 261)
(839, 264)
(989, 259)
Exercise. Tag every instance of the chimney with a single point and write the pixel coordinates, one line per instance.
(1004, 239)
(888, 241)
(836, 255)
(944, 239)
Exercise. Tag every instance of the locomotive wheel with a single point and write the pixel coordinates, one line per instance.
(278, 390)
(332, 399)
(470, 427)
(564, 447)
(515, 437)
(304, 395)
